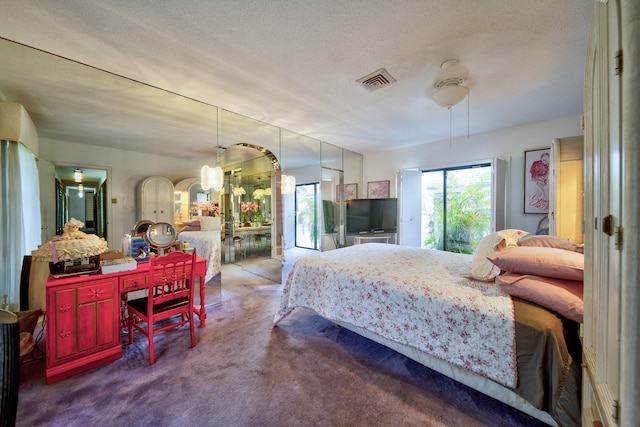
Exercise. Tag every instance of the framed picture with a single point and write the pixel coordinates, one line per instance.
(378, 190)
(536, 181)
(350, 192)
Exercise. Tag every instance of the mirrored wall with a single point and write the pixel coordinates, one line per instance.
(79, 110)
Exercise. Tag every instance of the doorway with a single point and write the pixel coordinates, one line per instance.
(83, 198)
(306, 209)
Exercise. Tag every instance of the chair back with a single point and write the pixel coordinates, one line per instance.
(171, 277)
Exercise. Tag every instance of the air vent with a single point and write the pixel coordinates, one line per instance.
(376, 80)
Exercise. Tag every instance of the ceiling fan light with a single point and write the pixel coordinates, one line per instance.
(449, 95)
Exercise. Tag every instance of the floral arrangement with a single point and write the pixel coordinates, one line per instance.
(250, 211)
(205, 208)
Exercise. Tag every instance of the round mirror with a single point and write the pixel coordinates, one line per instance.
(161, 235)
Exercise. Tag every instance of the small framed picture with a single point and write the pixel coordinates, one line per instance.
(536, 181)
(378, 190)
(350, 192)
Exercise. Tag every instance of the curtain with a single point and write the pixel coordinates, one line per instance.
(20, 219)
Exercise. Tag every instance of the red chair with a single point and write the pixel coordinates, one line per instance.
(170, 292)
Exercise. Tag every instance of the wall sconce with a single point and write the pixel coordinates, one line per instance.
(288, 184)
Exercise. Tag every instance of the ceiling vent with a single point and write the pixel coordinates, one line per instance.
(376, 80)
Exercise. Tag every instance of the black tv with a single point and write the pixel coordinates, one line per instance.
(372, 215)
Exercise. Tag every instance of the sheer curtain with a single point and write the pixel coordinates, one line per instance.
(20, 219)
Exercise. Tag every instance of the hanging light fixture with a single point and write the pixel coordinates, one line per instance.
(239, 191)
(450, 88)
(258, 192)
(449, 84)
(78, 175)
(80, 190)
(288, 184)
(212, 177)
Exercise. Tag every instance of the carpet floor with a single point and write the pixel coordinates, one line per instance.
(245, 372)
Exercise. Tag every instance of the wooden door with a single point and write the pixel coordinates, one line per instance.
(603, 218)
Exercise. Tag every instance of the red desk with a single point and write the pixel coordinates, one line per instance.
(84, 317)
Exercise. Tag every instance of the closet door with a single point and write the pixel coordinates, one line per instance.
(603, 218)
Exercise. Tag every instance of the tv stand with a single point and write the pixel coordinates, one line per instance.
(377, 236)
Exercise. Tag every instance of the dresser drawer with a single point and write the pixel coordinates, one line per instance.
(97, 290)
(133, 282)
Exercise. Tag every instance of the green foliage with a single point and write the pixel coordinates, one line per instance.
(468, 218)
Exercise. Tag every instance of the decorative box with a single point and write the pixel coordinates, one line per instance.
(139, 249)
(88, 264)
(119, 264)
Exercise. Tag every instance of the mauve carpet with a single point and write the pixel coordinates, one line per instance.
(244, 372)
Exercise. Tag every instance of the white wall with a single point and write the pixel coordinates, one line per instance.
(508, 144)
(128, 168)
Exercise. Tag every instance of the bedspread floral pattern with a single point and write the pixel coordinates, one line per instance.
(417, 297)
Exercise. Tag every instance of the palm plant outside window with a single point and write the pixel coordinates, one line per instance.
(456, 207)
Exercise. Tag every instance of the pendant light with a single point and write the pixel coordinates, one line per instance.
(288, 184)
(212, 177)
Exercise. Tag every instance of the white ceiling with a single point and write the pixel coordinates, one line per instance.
(294, 64)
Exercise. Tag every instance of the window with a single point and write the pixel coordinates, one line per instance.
(306, 216)
(456, 207)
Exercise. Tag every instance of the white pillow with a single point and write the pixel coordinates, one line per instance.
(208, 223)
(482, 268)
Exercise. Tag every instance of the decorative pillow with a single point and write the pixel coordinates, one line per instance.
(562, 296)
(547, 262)
(191, 223)
(481, 268)
(551, 242)
(208, 223)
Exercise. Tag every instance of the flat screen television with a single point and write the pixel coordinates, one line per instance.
(372, 215)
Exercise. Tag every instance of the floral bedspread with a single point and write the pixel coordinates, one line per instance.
(207, 245)
(417, 297)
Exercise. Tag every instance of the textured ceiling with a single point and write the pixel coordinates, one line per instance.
(294, 64)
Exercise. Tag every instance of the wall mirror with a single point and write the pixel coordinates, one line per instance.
(161, 236)
(73, 103)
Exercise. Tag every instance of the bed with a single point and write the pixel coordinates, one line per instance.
(207, 245)
(426, 305)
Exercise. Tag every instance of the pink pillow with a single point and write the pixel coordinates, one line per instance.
(547, 262)
(562, 296)
(192, 223)
(551, 242)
